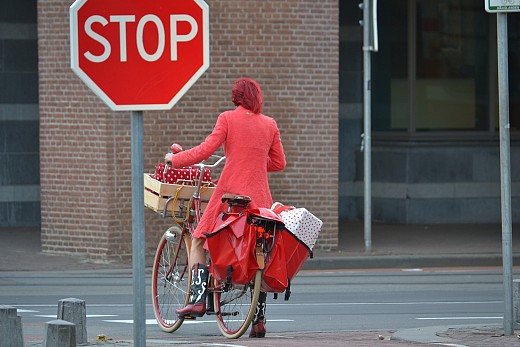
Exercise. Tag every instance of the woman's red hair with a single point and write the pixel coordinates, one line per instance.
(247, 93)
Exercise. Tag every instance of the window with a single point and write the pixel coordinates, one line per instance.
(513, 29)
(436, 69)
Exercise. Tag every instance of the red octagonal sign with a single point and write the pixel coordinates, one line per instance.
(139, 54)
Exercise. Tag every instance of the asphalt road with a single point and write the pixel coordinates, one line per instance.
(321, 301)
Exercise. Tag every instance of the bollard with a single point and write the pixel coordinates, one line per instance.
(73, 310)
(11, 334)
(516, 300)
(59, 333)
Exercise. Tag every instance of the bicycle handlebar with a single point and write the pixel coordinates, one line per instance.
(215, 164)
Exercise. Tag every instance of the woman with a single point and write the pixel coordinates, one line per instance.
(252, 147)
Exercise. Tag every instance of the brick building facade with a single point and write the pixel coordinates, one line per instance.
(64, 157)
(289, 47)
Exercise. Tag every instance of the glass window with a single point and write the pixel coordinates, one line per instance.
(390, 67)
(513, 21)
(432, 69)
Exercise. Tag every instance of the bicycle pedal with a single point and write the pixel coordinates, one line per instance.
(190, 317)
(233, 314)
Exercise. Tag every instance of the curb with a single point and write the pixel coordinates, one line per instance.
(428, 335)
(425, 335)
(404, 261)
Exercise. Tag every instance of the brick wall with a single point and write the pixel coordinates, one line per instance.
(289, 47)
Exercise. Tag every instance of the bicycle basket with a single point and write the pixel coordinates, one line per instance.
(156, 194)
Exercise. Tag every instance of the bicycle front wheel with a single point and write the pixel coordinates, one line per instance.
(235, 305)
(171, 278)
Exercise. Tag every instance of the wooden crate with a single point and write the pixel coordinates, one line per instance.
(157, 193)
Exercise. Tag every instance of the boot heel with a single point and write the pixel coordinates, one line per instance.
(258, 330)
(197, 314)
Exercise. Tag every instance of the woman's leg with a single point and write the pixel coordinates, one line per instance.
(258, 326)
(197, 252)
(199, 281)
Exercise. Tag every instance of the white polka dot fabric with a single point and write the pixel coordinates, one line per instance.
(184, 175)
(303, 224)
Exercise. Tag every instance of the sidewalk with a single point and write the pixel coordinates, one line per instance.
(414, 246)
(393, 246)
(457, 336)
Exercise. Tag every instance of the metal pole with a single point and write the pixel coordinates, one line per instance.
(412, 65)
(505, 170)
(138, 244)
(367, 138)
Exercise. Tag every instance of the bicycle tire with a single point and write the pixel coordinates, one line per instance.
(235, 306)
(171, 278)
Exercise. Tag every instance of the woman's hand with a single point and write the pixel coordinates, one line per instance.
(176, 148)
(168, 158)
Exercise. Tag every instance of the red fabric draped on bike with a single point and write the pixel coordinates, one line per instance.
(232, 244)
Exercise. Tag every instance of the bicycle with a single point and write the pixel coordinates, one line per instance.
(233, 304)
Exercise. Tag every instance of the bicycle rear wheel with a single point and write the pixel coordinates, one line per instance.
(171, 278)
(235, 306)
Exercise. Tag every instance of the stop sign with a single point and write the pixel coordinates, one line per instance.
(139, 54)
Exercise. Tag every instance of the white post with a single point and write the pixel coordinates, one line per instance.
(367, 131)
(74, 310)
(516, 300)
(505, 170)
(11, 334)
(59, 333)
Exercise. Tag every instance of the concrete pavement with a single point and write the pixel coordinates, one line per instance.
(455, 336)
(393, 246)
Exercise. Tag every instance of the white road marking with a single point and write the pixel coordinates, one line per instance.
(456, 318)
(387, 303)
(89, 305)
(88, 315)
(221, 345)
(313, 304)
(153, 321)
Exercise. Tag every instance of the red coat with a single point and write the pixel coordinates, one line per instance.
(252, 147)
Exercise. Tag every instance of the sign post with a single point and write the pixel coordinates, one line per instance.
(501, 7)
(138, 240)
(139, 55)
(505, 171)
(370, 44)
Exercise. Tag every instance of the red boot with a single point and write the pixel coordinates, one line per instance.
(257, 329)
(197, 304)
(258, 326)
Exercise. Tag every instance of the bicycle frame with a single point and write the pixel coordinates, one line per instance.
(233, 304)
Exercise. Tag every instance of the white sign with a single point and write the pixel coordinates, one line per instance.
(494, 6)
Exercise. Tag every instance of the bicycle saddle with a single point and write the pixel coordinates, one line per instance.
(236, 200)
